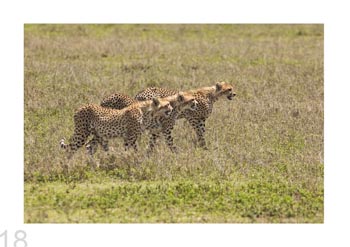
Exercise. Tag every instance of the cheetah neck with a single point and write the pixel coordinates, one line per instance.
(148, 117)
(204, 90)
(173, 100)
(145, 106)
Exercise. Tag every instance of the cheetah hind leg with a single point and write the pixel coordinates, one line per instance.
(91, 146)
(70, 154)
(76, 141)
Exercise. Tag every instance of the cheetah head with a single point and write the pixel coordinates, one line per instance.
(161, 107)
(186, 101)
(224, 89)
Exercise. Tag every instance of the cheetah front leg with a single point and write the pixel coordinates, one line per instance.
(154, 135)
(91, 146)
(169, 139)
(199, 126)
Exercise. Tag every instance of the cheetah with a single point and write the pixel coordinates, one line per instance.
(180, 102)
(206, 97)
(106, 123)
(117, 101)
(166, 124)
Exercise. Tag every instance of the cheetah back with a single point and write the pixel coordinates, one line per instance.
(154, 92)
(117, 101)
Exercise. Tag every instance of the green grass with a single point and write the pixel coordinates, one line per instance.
(172, 202)
(265, 157)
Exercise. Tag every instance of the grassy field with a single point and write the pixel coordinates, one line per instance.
(265, 158)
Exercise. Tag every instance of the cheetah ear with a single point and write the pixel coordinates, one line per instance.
(155, 102)
(218, 86)
(180, 97)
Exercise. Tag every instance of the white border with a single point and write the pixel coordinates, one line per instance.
(15, 13)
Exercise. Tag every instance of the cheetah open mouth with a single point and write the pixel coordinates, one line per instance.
(230, 96)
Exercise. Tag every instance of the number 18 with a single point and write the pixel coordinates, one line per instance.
(20, 238)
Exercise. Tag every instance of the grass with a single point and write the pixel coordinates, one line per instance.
(265, 157)
(171, 202)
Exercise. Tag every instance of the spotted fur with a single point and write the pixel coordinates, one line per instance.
(106, 123)
(205, 97)
(118, 101)
(149, 93)
(179, 101)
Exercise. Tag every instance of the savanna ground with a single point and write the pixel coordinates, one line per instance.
(265, 157)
